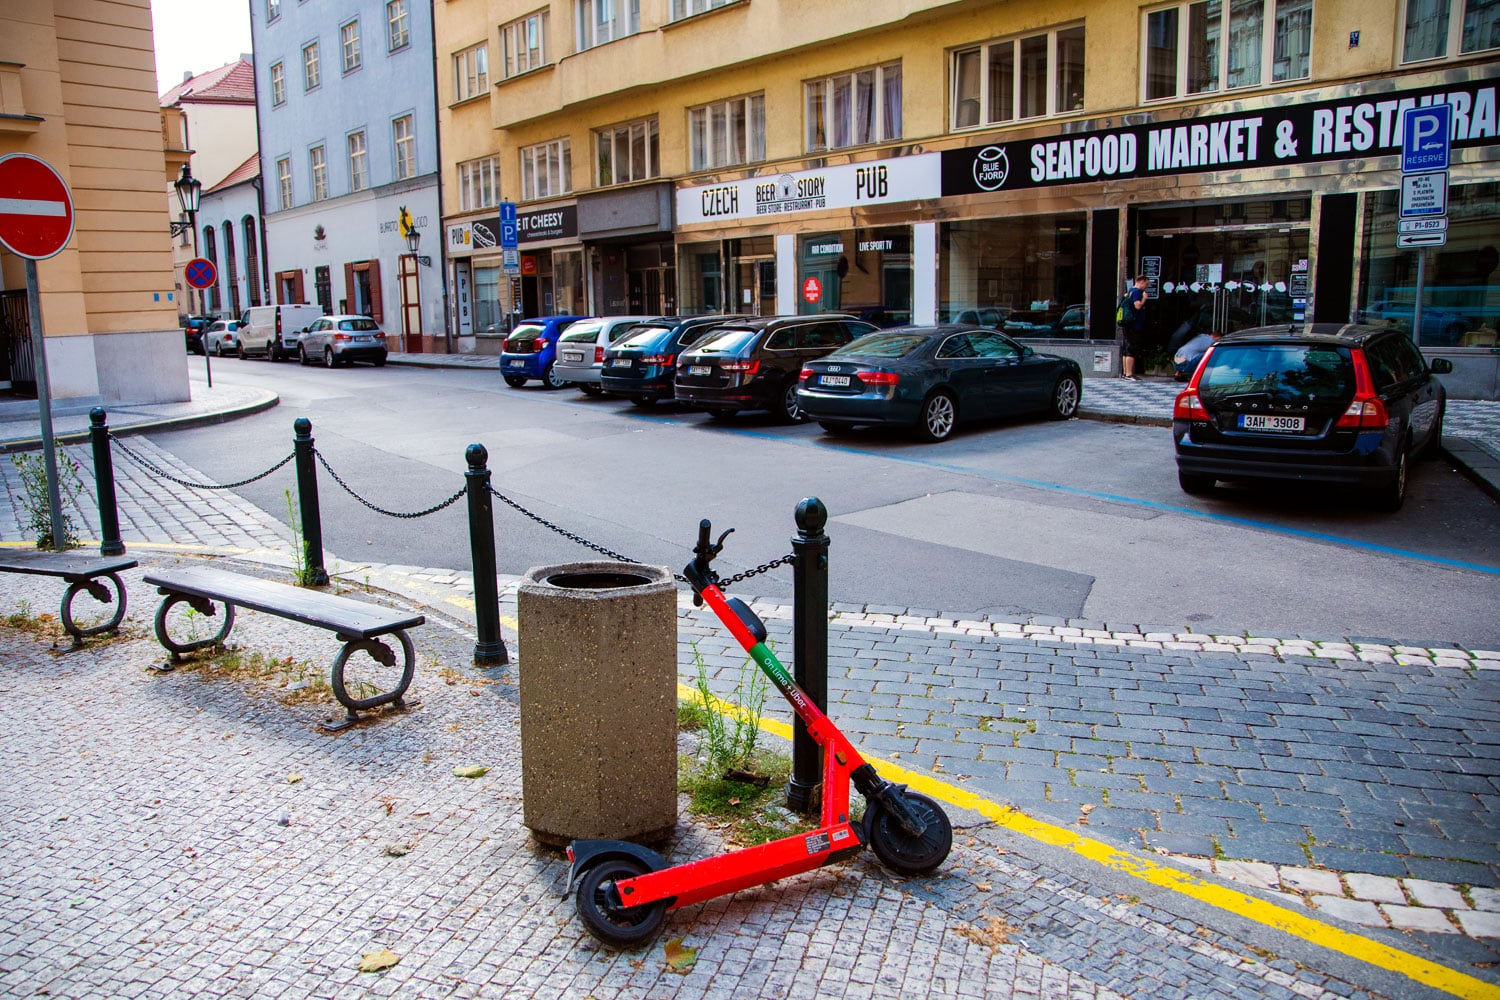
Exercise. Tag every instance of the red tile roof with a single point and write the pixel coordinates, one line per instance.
(233, 83)
(239, 175)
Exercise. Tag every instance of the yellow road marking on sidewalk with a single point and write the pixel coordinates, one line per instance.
(1288, 921)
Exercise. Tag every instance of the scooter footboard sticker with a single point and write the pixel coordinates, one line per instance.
(817, 843)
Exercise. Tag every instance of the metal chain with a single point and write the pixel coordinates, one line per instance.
(380, 510)
(561, 530)
(149, 466)
(785, 560)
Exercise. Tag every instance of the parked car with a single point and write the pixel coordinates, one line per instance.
(1323, 403)
(929, 378)
(342, 340)
(580, 352)
(222, 337)
(993, 317)
(530, 351)
(273, 332)
(753, 364)
(641, 367)
(192, 331)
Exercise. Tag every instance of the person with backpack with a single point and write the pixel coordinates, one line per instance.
(1131, 315)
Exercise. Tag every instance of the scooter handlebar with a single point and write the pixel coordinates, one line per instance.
(698, 572)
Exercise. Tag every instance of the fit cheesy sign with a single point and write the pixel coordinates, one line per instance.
(1288, 133)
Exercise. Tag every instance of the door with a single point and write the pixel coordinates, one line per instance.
(411, 303)
(323, 287)
(755, 291)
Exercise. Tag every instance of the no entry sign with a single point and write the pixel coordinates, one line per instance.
(812, 289)
(200, 272)
(36, 208)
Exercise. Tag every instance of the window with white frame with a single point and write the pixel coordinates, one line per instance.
(284, 181)
(404, 135)
(624, 153)
(471, 71)
(727, 133)
(547, 169)
(278, 85)
(478, 184)
(399, 25)
(311, 76)
(1207, 46)
(349, 37)
(601, 21)
(1441, 29)
(1027, 77)
(273, 10)
(687, 8)
(318, 161)
(852, 109)
(525, 43)
(359, 161)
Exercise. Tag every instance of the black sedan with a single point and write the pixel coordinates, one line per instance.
(931, 377)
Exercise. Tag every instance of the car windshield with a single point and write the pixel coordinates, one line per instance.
(1288, 373)
(646, 336)
(582, 331)
(882, 345)
(359, 325)
(729, 341)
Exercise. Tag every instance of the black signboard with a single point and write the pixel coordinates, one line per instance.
(1295, 133)
(535, 225)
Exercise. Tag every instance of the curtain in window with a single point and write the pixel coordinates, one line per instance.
(736, 136)
(1247, 24)
(864, 107)
(891, 98)
(606, 144)
(1426, 29)
(698, 138)
(843, 95)
(1481, 25)
(757, 151)
(817, 115)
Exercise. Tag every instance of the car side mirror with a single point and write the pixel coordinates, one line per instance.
(1026, 351)
(1441, 366)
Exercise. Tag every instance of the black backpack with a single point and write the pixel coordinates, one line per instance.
(1124, 314)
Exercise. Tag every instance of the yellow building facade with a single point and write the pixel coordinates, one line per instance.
(1011, 163)
(78, 85)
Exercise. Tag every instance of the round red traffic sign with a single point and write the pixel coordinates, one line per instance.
(200, 272)
(812, 289)
(36, 208)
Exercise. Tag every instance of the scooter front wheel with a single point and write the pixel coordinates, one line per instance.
(899, 850)
(602, 912)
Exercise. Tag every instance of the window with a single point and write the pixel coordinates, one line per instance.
(400, 25)
(406, 147)
(284, 181)
(1022, 273)
(273, 10)
(318, 160)
(359, 161)
(687, 8)
(471, 71)
(349, 35)
(547, 169)
(1027, 77)
(626, 153)
(1432, 30)
(728, 133)
(855, 108)
(310, 73)
(601, 21)
(478, 183)
(1190, 49)
(525, 43)
(278, 85)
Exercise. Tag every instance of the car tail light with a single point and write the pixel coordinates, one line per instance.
(540, 345)
(748, 367)
(804, 374)
(341, 336)
(598, 355)
(878, 378)
(379, 335)
(1189, 407)
(1366, 411)
(657, 359)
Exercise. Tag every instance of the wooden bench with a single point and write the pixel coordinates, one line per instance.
(82, 573)
(355, 623)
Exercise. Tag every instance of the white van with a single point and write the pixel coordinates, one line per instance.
(274, 331)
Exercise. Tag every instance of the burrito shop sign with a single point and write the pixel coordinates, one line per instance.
(1294, 133)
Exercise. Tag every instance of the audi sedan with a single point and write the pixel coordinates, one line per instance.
(930, 378)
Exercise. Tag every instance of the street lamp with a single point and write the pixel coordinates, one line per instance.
(189, 191)
(413, 241)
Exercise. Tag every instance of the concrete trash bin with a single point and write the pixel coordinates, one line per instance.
(598, 672)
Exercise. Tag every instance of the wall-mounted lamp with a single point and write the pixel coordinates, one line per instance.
(413, 241)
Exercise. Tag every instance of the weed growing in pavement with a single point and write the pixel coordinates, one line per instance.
(299, 680)
(300, 569)
(749, 811)
(36, 506)
(730, 737)
(691, 716)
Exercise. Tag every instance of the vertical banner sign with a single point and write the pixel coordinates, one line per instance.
(510, 238)
(1425, 135)
(36, 222)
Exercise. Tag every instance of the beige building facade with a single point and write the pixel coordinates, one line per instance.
(78, 85)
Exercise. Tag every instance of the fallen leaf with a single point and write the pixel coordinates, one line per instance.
(1086, 808)
(292, 779)
(472, 771)
(378, 961)
(982, 886)
(397, 850)
(734, 801)
(679, 958)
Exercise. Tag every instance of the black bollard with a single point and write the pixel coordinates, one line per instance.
(489, 651)
(104, 486)
(314, 575)
(809, 648)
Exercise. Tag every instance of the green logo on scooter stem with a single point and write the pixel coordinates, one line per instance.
(762, 655)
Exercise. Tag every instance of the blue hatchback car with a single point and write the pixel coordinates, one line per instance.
(530, 350)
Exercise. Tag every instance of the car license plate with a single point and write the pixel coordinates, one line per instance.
(572, 356)
(1260, 422)
(619, 362)
(518, 363)
(833, 380)
(699, 369)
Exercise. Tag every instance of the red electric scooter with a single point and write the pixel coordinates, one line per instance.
(625, 890)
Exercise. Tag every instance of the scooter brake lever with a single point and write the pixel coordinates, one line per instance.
(719, 545)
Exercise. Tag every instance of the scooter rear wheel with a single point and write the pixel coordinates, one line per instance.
(899, 850)
(605, 916)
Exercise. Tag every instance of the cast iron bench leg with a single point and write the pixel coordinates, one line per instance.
(99, 592)
(204, 607)
(382, 654)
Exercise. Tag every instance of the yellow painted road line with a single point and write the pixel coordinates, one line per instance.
(1294, 922)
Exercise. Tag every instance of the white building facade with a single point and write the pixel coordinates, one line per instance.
(346, 103)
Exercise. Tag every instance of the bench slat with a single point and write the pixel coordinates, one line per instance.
(69, 567)
(310, 607)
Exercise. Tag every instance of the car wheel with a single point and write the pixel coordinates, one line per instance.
(1065, 398)
(515, 381)
(551, 379)
(1195, 484)
(241, 352)
(1391, 496)
(219, 350)
(328, 359)
(302, 354)
(590, 389)
(939, 416)
(790, 410)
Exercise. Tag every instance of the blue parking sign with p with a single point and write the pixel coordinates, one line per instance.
(1424, 138)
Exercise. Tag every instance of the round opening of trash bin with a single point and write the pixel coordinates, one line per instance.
(598, 581)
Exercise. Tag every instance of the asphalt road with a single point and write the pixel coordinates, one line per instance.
(1074, 520)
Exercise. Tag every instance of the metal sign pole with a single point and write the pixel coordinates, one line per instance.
(44, 401)
(1416, 309)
